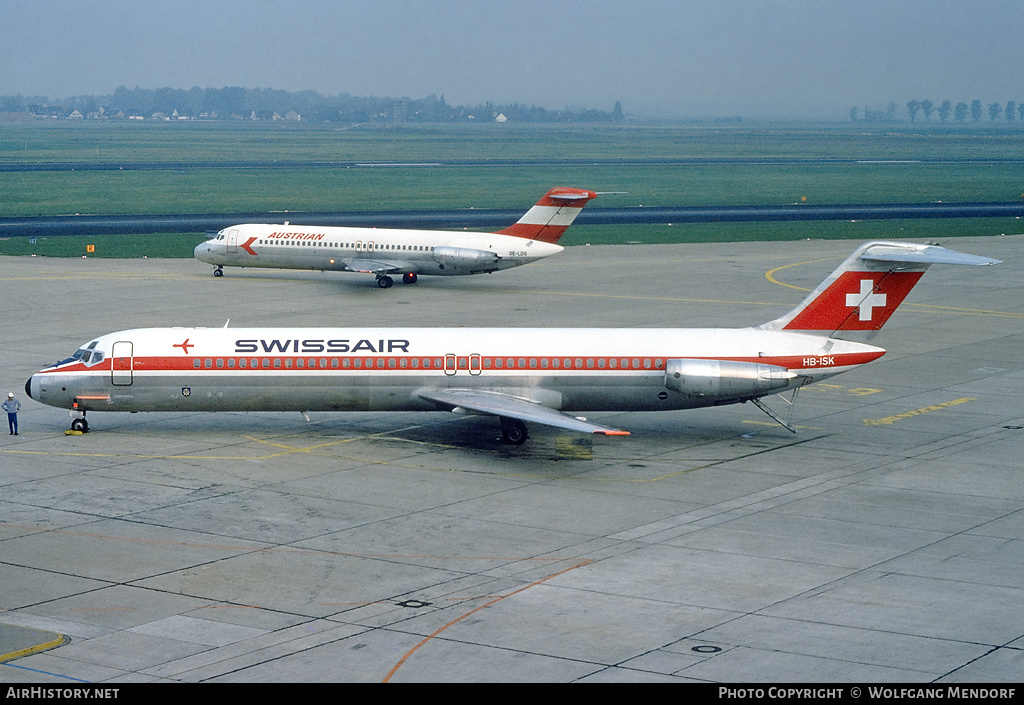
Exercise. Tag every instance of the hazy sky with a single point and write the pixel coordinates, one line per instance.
(811, 58)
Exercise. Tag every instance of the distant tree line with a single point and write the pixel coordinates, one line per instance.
(1010, 112)
(232, 103)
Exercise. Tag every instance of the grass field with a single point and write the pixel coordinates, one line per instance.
(891, 174)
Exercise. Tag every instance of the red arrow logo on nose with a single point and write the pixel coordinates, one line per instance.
(245, 246)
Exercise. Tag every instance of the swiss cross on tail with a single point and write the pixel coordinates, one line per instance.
(551, 216)
(867, 288)
(856, 301)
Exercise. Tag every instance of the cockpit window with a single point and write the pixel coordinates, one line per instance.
(89, 355)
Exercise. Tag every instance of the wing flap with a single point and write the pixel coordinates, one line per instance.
(376, 266)
(496, 404)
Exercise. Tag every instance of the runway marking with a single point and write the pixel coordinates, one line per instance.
(889, 420)
(452, 623)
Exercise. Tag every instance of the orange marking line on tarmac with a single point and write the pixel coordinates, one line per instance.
(474, 611)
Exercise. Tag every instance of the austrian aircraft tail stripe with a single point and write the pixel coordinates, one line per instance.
(551, 216)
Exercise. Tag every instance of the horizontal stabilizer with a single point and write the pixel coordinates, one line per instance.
(926, 254)
(571, 196)
(496, 404)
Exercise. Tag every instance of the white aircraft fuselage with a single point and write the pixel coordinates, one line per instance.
(384, 252)
(541, 375)
(396, 369)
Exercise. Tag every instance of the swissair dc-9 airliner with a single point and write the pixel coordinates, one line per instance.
(409, 253)
(518, 375)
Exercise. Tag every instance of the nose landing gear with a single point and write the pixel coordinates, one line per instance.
(78, 422)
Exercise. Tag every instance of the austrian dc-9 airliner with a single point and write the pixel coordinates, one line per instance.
(410, 253)
(517, 375)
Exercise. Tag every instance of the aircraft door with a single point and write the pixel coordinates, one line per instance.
(464, 363)
(232, 241)
(121, 363)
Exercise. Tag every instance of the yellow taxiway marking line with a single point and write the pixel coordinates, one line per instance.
(776, 425)
(770, 274)
(33, 649)
(889, 420)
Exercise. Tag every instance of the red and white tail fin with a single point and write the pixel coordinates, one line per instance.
(551, 215)
(867, 288)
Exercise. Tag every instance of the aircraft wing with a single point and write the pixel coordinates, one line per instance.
(377, 266)
(495, 404)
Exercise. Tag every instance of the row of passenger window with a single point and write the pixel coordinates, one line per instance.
(368, 247)
(449, 362)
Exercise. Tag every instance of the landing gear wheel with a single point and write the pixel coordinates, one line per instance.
(80, 425)
(409, 278)
(218, 272)
(385, 282)
(513, 431)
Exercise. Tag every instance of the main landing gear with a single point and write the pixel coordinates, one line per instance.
(513, 431)
(386, 282)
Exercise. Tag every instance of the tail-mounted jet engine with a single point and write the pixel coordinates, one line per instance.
(725, 380)
(467, 257)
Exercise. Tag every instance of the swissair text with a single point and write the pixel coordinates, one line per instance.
(320, 345)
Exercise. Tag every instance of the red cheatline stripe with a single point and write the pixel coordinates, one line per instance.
(463, 363)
